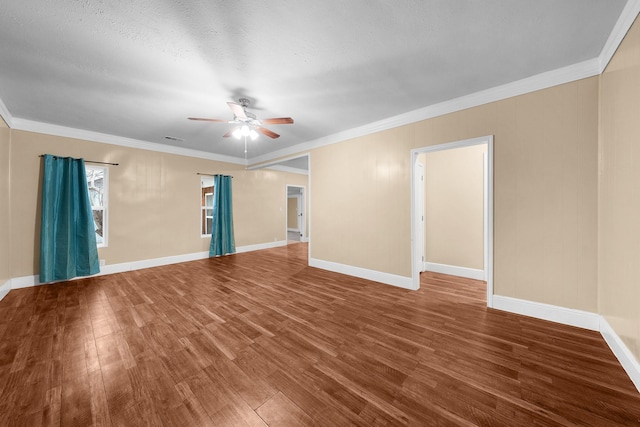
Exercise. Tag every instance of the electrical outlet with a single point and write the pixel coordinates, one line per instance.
(102, 263)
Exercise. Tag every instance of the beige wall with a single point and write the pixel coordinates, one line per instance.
(619, 198)
(292, 212)
(368, 178)
(260, 204)
(5, 225)
(154, 200)
(454, 217)
(545, 193)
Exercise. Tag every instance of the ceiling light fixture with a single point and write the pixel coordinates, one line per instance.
(245, 131)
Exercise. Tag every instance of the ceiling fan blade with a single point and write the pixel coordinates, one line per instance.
(228, 134)
(267, 132)
(237, 110)
(278, 121)
(208, 120)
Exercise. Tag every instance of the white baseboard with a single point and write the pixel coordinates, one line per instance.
(148, 263)
(25, 282)
(621, 351)
(261, 246)
(553, 313)
(363, 273)
(30, 281)
(5, 288)
(579, 318)
(470, 273)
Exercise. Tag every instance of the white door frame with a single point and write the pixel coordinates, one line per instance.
(416, 268)
(420, 192)
(302, 225)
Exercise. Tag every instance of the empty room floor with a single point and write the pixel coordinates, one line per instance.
(261, 339)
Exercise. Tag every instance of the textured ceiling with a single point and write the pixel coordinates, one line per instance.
(139, 69)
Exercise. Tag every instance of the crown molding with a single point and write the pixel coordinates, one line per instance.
(5, 114)
(50, 129)
(520, 87)
(278, 162)
(624, 23)
(288, 169)
(540, 81)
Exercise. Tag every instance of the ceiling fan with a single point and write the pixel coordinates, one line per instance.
(247, 124)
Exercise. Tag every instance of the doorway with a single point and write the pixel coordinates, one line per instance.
(417, 206)
(295, 217)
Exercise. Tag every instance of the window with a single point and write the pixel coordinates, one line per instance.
(206, 205)
(97, 183)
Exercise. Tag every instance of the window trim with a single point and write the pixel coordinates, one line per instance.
(203, 207)
(105, 203)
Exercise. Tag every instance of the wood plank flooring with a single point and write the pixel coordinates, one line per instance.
(260, 339)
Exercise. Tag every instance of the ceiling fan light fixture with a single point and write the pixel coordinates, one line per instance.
(246, 123)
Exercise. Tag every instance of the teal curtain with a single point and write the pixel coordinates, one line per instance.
(67, 235)
(222, 239)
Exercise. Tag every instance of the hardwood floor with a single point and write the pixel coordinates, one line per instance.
(261, 339)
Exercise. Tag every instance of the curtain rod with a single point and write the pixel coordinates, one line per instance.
(86, 161)
(210, 174)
